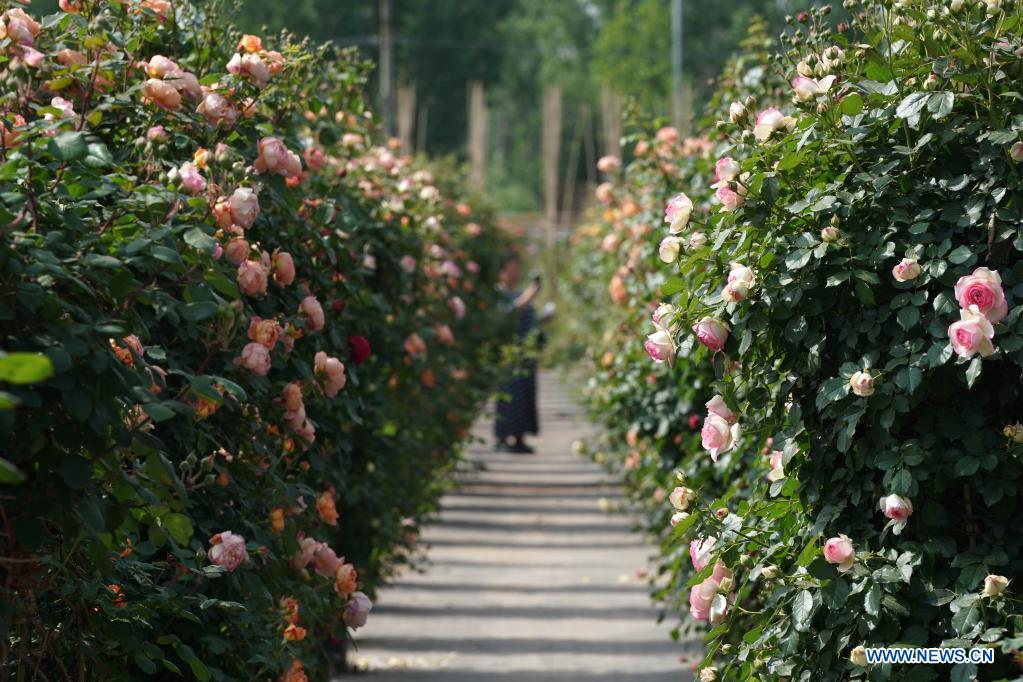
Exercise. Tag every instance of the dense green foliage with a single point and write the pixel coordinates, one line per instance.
(237, 376)
(870, 498)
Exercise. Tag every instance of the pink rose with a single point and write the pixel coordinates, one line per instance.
(192, 180)
(726, 170)
(408, 264)
(718, 436)
(777, 471)
(700, 551)
(862, 384)
(740, 280)
(907, 269)
(21, 28)
(807, 89)
(717, 406)
(730, 199)
(712, 333)
(357, 612)
(457, 307)
(255, 357)
(228, 550)
(971, 334)
(237, 250)
(218, 110)
(896, 508)
(325, 562)
(1016, 152)
(157, 133)
(264, 332)
(660, 347)
(679, 497)
(306, 549)
(839, 550)
(701, 596)
(312, 311)
(332, 371)
(769, 121)
(252, 277)
(315, 159)
(678, 212)
(284, 268)
(983, 289)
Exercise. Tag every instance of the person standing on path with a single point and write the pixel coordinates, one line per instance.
(516, 401)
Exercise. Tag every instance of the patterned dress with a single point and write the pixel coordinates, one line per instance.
(516, 400)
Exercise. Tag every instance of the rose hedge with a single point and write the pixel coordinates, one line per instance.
(244, 344)
(858, 300)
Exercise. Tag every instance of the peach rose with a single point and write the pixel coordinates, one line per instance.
(345, 580)
(250, 67)
(162, 94)
(680, 497)
(264, 332)
(252, 277)
(326, 509)
(237, 250)
(192, 180)
(312, 311)
(332, 371)
(275, 157)
(284, 268)
(218, 110)
(255, 358)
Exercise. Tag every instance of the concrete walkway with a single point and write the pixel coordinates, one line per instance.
(530, 577)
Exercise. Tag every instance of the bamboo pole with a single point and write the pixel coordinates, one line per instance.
(478, 123)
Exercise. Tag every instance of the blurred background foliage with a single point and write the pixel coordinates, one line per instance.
(516, 47)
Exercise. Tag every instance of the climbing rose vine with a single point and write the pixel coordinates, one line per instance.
(219, 440)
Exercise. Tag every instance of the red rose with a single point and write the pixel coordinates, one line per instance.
(360, 349)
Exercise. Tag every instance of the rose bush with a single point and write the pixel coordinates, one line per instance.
(219, 440)
(873, 350)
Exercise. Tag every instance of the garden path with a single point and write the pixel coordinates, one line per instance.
(529, 577)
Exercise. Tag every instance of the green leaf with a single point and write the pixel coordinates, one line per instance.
(960, 255)
(9, 474)
(179, 527)
(98, 156)
(872, 602)
(852, 104)
(25, 368)
(673, 286)
(199, 310)
(198, 239)
(144, 663)
(68, 146)
(76, 471)
(802, 610)
(908, 316)
(157, 412)
(940, 104)
(912, 105)
(973, 371)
